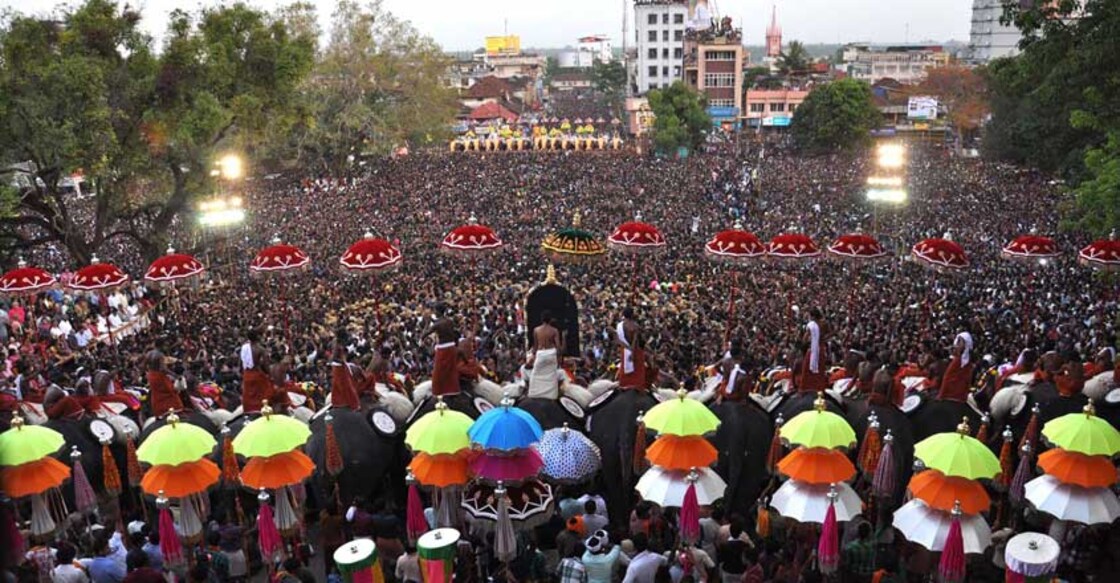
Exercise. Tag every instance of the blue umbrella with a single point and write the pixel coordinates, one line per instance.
(505, 428)
(569, 456)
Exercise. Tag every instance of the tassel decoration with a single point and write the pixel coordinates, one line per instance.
(84, 498)
(762, 523)
(982, 432)
(231, 473)
(1030, 436)
(415, 524)
(884, 483)
(134, 473)
(951, 568)
(639, 453)
(871, 448)
(690, 511)
(828, 547)
(775, 453)
(334, 454)
(169, 544)
(268, 536)
(112, 474)
(1005, 470)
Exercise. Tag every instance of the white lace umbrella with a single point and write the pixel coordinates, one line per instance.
(1071, 502)
(804, 502)
(666, 488)
(929, 527)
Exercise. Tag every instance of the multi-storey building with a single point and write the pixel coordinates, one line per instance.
(906, 63)
(713, 64)
(989, 38)
(660, 27)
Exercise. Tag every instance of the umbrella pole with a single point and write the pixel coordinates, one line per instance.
(287, 322)
(731, 310)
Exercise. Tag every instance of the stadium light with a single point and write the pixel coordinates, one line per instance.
(220, 212)
(895, 181)
(891, 155)
(231, 167)
(890, 195)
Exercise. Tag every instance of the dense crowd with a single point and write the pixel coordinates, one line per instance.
(895, 307)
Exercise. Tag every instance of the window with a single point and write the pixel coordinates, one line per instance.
(653, 36)
(653, 53)
(653, 71)
(721, 103)
(664, 71)
(758, 107)
(777, 108)
(665, 35)
(678, 35)
(652, 86)
(677, 71)
(719, 79)
(678, 18)
(678, 53)
(664, 53)
(652, 19)
(719, 55)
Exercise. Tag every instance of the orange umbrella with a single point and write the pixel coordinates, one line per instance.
(277, 471)
(817, 465)
(674, 452)
(439, 470)
(1070, 467)
(181, 480)
(33, 477)
(940, 491)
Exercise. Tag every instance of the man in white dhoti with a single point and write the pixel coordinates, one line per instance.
(547, 340)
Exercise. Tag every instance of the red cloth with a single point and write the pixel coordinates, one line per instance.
(1069, 386)
(162, 393)
(343, 393)
(256, 388)
(811, 382)
(637, 379)
(907, 370)
(955, 384)
(445, 372)
(65, 407)
(1006, 375)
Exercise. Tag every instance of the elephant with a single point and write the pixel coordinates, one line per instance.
(788, 405)
(612, 426)
(941, 416)
(743, 441)
(550, 413)
(1013, 406)
(373, 463)
(893, 419)
(77, 434)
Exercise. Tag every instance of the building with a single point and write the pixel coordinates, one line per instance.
(576, 80)
(591, 49)
(989, 38)
(660, 26)
(772, 107)
(905, 63)
(713, 65)
(773, 36)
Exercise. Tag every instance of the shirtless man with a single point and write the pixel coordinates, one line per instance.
(734, 379)
(811, 374)
(445, 371)
(161, 390)
(547, 342)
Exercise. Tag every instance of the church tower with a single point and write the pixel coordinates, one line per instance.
(773, 36)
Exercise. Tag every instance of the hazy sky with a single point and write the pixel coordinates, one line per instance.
(462, 24)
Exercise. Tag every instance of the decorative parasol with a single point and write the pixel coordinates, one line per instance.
(98, 277)
(803, 502)
(370, 254)
(505, 428)
(818, 428)
(1030, 247)
(279, 258)
(33, 477)
(471, 238)
(440, 470)
(681, 416)
(1031, 554)
(792, 246)
(442, 431)
(530, 503)
(958, 454)
(930, 527)
(181, 480)
(817, 465)
(674, 452)
(25, 280)
(940, 253)
(277, 471)
(175, 443)
(23, 444)
(943, 492)
(1083, 433)
(174, 268)
(270, 435)
(572, 244)
(735, 245)
(1102, 254)
(667, 488)
(636, 236)
(512, 467)
(569, 456)
(1072, 503)
(1070, 467)
(857, 246)
(436, 550)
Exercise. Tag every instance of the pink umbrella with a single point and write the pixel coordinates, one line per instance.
(174, 268)
(857, 246)
(1030, 247)
(369, 256)
(1102, 254)
(519, 466)
(940, 253)
(24, 280)
(792, 246)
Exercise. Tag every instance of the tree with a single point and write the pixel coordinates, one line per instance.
(378, 84)
(963, 91)
(609, 79)
(835, 116)
(680, 118)
(86, 93)
(794, 60)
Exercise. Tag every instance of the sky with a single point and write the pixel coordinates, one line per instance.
(460, 25)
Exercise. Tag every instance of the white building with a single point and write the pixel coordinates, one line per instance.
(591, 49)
(991, 39)
(905, 64)
(660, 26)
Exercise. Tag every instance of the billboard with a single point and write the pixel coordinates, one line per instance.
(777, 121)
(509, 44)
(921, 107)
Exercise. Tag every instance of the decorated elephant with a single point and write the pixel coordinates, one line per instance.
(373, 456)
(743, 441)
(612, 425)
(892, 419)
(85, 435)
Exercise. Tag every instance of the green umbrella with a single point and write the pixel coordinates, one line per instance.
(270, 435)
(818, 428)
(681, 416)
(958, 454)
(1083, 433)
(176, 443)
(442, 431)
(27, 443)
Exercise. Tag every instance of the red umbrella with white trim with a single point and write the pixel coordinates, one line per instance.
(471, 240)
(99, 278)
(739, 247)
(1103, 254)
(857, 246)
(792, 246)
(369, 256)
(941, 254)
(1030, 247)
(280, 259)
(25, 280)
(174, 268)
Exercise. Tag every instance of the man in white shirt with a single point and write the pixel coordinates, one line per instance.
(67, 570)
(644, 566)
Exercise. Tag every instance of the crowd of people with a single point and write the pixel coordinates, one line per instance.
(895, 308)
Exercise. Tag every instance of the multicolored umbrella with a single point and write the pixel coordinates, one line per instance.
(804, 502)
(958, 454)
(943, 492)
(569, 456)
(1070, 467)
(22, 444)
(667, 488)
(505, 428)
(176, 443)
(573, 245)
(818, 428)
(674, 452)
(180, 480)
(512, 467)
(33, 477)
(442, 431)
(440, 470)
(1083, 433)
(681, 416)
(277, 471)
(270, 435)
(1072, 503)
(817, 465)
(930, 527)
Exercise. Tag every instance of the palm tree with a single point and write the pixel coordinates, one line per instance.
(795, 60)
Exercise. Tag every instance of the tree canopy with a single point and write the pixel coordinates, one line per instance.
(609, 79)
(795, 59)
(681, 118)
(963, 91)
(835, 116)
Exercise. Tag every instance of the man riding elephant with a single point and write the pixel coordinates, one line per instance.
(547, 343)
